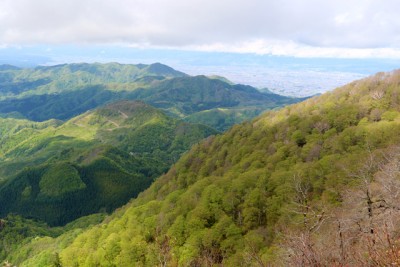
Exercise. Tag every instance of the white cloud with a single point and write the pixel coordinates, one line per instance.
(359, 28)
(290, 48)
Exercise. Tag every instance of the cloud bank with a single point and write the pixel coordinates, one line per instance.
(347, 28)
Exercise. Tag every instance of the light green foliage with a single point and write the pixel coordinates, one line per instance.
(390, 115)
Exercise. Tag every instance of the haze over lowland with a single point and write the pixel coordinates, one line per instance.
(297, 49)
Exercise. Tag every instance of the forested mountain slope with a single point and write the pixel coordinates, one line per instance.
(64, 91)
(57, 172)
(316, 183)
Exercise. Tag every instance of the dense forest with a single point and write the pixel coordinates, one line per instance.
(57, 172)
(313, 184)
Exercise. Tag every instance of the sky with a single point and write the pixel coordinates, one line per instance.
(300, 28)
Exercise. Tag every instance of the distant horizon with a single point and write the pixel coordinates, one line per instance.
(286, 75)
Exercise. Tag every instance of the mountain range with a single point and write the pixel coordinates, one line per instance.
(311, 184)
(64, 91)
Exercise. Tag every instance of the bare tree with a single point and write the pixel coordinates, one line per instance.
(363, 231)
(8, 264)
(375, 231)
(377, 94)
(302, 250)
(322, 126)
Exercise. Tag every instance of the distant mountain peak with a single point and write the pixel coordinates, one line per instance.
(161, 69)
(221, 78)
(8, 67)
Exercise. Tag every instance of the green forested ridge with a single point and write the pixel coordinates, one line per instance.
(16, 82)
(303, 186)
(65, 91)
(57, 172)
(193, 94)
(198, 99)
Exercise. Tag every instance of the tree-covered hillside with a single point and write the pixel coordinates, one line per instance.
(16, 82)
(57, 172)
(65, 91)
(313, 184)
